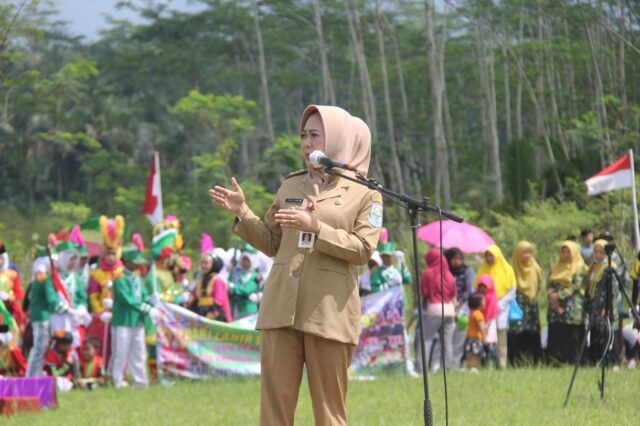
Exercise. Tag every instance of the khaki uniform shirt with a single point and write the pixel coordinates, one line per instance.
(315, 290)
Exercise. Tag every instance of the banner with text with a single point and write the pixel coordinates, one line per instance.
(195, 347)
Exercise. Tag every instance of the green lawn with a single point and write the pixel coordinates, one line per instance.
(514, 397)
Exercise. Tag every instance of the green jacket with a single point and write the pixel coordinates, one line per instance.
(7, 318)
(571, 300)
(385, 277)
(75, 288)
(43, 299)
(129, 301)
(245, 283)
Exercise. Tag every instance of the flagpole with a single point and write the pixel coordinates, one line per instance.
(635, 201)
(154, 275)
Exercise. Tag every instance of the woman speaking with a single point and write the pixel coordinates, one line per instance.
(319, 228)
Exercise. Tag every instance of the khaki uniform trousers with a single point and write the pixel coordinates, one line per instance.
(283, 353)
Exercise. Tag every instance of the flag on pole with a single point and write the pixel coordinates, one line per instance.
(153, 199)
(618, 175)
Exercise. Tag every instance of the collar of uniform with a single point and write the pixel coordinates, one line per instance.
(335, 189)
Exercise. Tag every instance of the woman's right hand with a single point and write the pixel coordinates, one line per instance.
(230, 200)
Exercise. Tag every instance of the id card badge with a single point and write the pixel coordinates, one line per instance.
(306, 240)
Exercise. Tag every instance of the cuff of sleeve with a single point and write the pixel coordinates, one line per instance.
(324, 232)
(238, 222)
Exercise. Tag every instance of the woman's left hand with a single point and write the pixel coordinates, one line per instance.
(297, 219)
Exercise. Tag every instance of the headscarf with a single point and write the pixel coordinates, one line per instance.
(5, 264)
(563, 272)
(63, 260)
(431, 278)
(504, 279)
(490, 300)
(596, 270)
(450, 254)
(246, 254)
(529, 276)
(347, 139)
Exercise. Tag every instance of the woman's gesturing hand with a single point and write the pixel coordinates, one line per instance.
(297, 219)
(231, 200)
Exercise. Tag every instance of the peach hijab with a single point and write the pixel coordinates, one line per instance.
(347, 139)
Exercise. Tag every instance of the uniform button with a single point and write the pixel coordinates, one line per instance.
(339, 202)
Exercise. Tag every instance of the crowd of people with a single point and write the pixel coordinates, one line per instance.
(84, 318)
(492, 316)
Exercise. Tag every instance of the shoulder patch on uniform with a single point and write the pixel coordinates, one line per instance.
(375, 215)
(298, 173)
(376, 197)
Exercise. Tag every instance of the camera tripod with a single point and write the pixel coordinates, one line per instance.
(609, 275)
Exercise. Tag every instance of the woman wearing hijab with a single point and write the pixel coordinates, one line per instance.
(524, 335)
(319, 228)
(210, 298)
(595, 303)
(504, 280)
(465, 277)
(565, 314)
(438, 287)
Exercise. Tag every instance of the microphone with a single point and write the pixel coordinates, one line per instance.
(318, 159)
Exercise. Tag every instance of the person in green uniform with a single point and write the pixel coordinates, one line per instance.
(130, 307)
(244, 285)
(565, 315)
(43, 301)
(387, 275)
(72, 282)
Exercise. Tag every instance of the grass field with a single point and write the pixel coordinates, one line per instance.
(513, 397)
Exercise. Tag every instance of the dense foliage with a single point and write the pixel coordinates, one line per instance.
(500, 109)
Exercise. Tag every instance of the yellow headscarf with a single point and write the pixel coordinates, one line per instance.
(529, 276)
(504, 279)
(596, 270)
(563, 272)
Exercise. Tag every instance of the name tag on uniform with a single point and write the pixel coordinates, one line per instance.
(296, 201)
(306, 240)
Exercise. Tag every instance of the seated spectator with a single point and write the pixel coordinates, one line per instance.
(12, 361)
(91, 368)
(61, 362)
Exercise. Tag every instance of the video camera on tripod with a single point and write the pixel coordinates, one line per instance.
(609, 248)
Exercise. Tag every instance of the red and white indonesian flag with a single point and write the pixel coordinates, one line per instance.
(153, 199)
(619, 175)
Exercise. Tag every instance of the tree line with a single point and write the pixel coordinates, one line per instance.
(481, 104)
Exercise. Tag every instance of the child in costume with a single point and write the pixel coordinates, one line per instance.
(364, 280)
(71, 320)
(101, 281)
(490, 312)
(11, 287)
(91, 372)
(166, 289)
(244, 285)
(43, 301)
(61, 361)
(12, 361)
(476, 332)
(210, 298)
(82, 266)
(130, 306)
(387, 275)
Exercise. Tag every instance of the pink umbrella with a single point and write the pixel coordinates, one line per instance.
(468, 238)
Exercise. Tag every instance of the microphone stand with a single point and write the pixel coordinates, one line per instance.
(413, 207)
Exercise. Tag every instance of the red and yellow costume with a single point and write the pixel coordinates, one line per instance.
(11, 286)
(102, 279)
